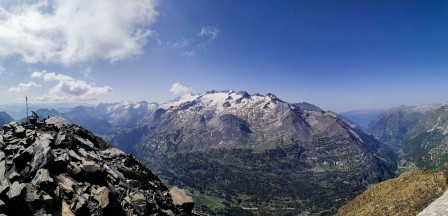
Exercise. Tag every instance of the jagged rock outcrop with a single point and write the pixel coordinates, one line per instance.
(67, 170)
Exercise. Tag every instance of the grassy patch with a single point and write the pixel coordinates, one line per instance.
(408, 194)
(202, 202)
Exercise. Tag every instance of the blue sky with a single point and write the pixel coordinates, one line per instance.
(339, 55)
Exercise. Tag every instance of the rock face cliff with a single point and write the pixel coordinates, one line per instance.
(50, 170)
(254, 151)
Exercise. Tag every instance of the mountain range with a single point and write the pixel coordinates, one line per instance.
(240, 153)
(257, 152)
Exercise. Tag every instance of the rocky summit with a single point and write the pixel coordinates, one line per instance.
(67, 170)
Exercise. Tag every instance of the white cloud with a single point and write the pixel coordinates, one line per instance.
(178, 88)
(2, 70)
(181, 44)
(210, 32)
(67, 31)
(69, 88)
(189, 53)
(23, 87)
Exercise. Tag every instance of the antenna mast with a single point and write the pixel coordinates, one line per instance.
(27, 116)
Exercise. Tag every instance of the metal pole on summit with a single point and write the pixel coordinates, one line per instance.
(27, 116)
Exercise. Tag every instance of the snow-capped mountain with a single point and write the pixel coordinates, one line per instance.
(261, 142)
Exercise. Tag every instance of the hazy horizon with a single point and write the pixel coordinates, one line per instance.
(337, 55)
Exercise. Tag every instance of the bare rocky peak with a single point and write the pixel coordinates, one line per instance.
(57, 121)
(66, 170)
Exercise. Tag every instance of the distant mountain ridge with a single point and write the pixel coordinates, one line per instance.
(103, 118)
(362, 118)
(418, 134)
(5, 118)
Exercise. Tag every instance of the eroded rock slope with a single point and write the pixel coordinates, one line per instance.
(69, 171)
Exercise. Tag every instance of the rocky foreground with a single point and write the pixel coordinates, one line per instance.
(69, 171)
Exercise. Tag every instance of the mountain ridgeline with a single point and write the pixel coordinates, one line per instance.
(257, 153)
(5, 118)
(104, 118)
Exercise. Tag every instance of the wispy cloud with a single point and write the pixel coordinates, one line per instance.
(87, 73)
(23, 87)
(69, 88)
(67, 31)
(2, 70)
(179, 89)
(189, 53)
(182, 43)
(209, 31)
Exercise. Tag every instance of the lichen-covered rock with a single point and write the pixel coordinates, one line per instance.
(66, 170)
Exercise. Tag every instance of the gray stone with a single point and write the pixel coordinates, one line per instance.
(7, 127)
(13, 176)
(65, 183)
(20, 132)
(2, 169)
(61, 155)
(43, 156)
(80, 203)
(17, 191)
(113, 174)
(102, 196)
(74, 169)
(138, 201)
(45, 139)
(112, 153)
(31, 194)
(42, 179)
(11, 148)
(91, 167)
(84, 143)
(60, 138)
(74, 155)
(30, 133)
